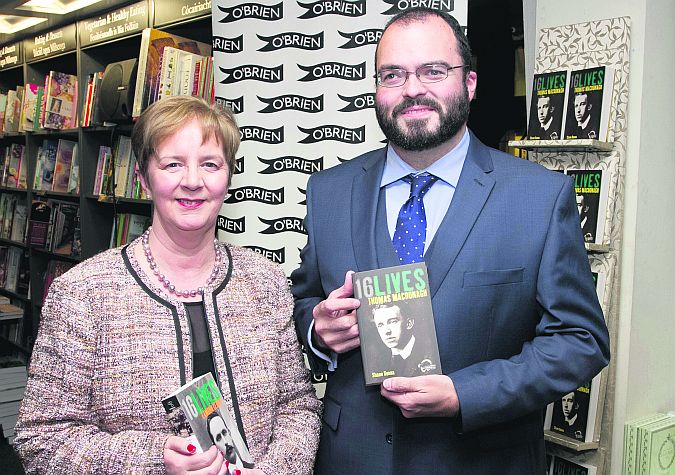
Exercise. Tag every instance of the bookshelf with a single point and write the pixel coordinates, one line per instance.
(82, 48)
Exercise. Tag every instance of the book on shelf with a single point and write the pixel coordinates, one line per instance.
(547, 106)
(396, 323)
(23, 281)
(128, 226)
(122, 155)
(633, 437)
(196, 411)
(55, 269)
(47, 165)
(592, 194)
(575, 415)
(60, 103)
(656, 448)
(13, 262)
(153, 42)
(14, 160)
(102, 168)
(11, 108)
(565, 466)
(38, 223)
(74, 176)
(8, 203)
(589, 99)
(19, 220)
(66, 217)
(63, 164)
(32, 98)
(3, 106)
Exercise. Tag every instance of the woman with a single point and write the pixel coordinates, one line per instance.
(125, 328)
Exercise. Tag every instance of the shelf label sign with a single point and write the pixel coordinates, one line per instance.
(115, 24)
(51, 43)
(173, 11)
(11, 55)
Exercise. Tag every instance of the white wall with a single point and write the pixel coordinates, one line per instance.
(645, 346)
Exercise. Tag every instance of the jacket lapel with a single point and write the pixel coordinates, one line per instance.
(473, 189)
(365, 193)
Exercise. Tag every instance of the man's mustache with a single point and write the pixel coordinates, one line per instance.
(422, 101)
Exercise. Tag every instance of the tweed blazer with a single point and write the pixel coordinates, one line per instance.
(111, 345)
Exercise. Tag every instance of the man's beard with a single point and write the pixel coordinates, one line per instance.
(418, 137)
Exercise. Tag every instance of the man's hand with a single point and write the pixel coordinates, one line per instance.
(422, 396)
(335, 324)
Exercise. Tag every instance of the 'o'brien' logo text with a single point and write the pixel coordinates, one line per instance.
(350, 72)
(292, 40)
(228, 45)
(261, 134)
(252, 10)
(233, 226)
(398, 6)
(282, 225)
(292, 102)
(274, 255)
(357, 103)
(336, 133)
(236, 105)
(361, 38)
(303, 193)
(291, 164)
(333, 7)
(255, 193)
(253, 72)
(238, 166)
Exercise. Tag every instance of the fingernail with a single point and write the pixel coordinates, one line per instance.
(227, 462)
(237, 472)
(191, 448)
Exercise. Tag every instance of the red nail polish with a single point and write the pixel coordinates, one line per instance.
(237, 472)
(191, 448)
(227, 462)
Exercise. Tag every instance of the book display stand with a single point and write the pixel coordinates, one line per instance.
(606, 43)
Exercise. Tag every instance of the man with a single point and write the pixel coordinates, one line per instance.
(545, 129)
(406, 356)
(584, 128)
(512, 293)
(587, 226)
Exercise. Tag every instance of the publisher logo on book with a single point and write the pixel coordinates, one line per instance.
(252, 72)
(358, 103)
(255, 133)
(426, 365)
(232, 226)
(361, 38)
(228, 45)
(291, 164)
(275, 255)
(282, 225)
(236, 105)
(333, 69)
(336, 133)
(292, 102)
(292, 39)
(255, 193)
(252, 10)
(398, 6)
(333, 7)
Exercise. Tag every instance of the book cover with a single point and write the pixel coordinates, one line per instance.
(196, 411)
(13, 262)
(38, 223)
(547, 107)
(13, 169)
(657, 448)
(630, 443)
(575, 414)
(589, 99)
(23, 282)
(23, 167)
(3, 106)
(153, 42)
(564, 466)
(396, 323)
(61, 101)
(30, 101)
(592, 193)
(74, 176)
(64, 231)
(48, 161)
(7, 206)
(122, 164)
(62, 166)
(19, 221)
(10, 124)
(167, 74)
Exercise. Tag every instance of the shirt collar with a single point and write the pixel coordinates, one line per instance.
(447, 168)
(405, 352)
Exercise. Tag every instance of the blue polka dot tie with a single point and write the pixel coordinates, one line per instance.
(411, 226)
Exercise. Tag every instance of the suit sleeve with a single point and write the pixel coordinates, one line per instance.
(307, 289)
(571, 343)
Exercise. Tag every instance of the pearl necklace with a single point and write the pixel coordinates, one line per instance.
(166, 282)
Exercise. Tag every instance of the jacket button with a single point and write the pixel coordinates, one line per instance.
(389, 438)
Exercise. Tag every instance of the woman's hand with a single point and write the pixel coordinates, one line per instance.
(180, 459)
(252, 471)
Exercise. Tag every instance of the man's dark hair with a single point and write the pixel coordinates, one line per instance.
(419, 14)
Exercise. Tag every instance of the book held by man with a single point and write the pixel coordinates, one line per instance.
(196, 411)
(396, 323)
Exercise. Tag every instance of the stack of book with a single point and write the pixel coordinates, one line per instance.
(128, 226)
(117, 168)
(55, 227)
(649, 445)
(12, 387)
(57, 167)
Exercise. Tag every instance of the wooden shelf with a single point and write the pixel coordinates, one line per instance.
(552, 145)
(590, 247)
(573, 444)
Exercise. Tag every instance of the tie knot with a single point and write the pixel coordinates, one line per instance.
(420, 184)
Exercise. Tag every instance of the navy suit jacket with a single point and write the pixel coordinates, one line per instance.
(517, 317)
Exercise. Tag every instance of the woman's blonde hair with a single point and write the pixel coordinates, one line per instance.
(165, 117)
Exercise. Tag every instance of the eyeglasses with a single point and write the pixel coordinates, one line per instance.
(428, 73)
